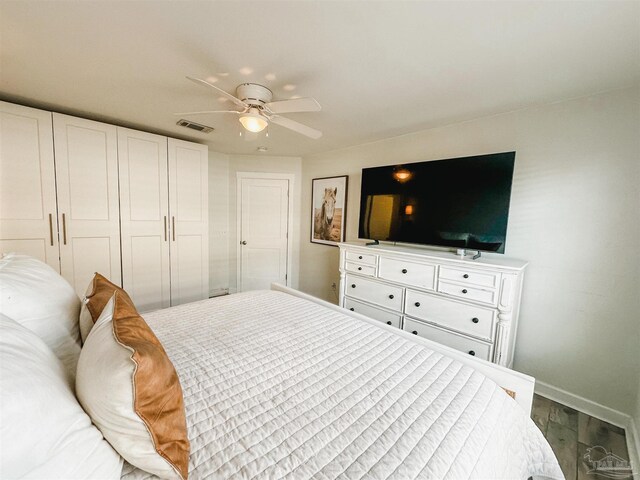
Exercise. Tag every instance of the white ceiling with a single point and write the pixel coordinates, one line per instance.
(379, 69)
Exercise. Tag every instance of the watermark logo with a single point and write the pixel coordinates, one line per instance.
(607, 464)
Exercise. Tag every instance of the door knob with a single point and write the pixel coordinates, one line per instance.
(243, 242)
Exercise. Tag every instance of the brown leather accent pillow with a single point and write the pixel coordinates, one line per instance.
(127, 383)
(101, 292)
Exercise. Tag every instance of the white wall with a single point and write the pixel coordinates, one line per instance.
(223, 244)
(218, 223)
(574, 216)
(260, 163)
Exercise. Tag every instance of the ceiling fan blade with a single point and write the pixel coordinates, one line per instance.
(235, 100)
(296, 127)
(206, 112)
(295, 105)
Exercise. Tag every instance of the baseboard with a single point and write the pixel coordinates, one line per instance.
(584, 405)
(633, 444)
(217, 292)
(594, 409)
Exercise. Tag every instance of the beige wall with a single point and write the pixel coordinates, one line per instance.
(260, 163)
(574, 216)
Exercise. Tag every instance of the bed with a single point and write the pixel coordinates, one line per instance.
(270, 385)
(278, 384)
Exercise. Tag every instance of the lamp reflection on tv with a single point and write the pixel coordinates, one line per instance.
(402, 175)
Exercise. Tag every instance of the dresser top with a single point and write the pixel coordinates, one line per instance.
(449, 257)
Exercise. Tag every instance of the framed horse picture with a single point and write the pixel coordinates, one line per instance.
(328, 209)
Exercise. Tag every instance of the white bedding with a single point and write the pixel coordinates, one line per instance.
(279, 387)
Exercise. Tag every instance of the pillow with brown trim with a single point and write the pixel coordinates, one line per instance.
(130, 389)
(98, 293)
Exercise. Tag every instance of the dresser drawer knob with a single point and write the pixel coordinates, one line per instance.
(466, 275)
(472, 353)
(417, 304)
(464, 290)
(415, 332)
(475, 320)
(391, 297)
(352, 309)
(360, 257)
(389, 322)
(353, 285)
(359, 268)
(404, 270)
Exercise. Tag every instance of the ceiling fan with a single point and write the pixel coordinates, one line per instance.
(257, 110)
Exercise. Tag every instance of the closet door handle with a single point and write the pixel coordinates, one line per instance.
(51, 228)
(165, 228)
(64, 229)
(173, 228)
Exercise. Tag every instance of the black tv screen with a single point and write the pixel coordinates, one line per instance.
(459, 203)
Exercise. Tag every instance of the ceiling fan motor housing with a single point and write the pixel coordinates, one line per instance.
(254, 94)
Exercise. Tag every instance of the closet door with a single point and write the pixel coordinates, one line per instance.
(88, 212)
(188, 208)
(28, 217)
(144, 217)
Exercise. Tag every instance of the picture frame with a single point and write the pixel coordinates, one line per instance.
(329, 209)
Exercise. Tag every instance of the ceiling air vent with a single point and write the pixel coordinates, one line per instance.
(194, 126)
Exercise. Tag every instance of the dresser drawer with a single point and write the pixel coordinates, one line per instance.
(374, 292)
(489, 297)
(467, 319)
(470, 277)
(361, 269)
(415, 274)
(450, 339)
(373, 312)
(362, 258)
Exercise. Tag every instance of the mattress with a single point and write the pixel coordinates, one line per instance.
(279, 387)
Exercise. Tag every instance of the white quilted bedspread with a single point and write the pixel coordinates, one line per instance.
(279, 387)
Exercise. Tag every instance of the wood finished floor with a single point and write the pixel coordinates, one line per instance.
(571, 432)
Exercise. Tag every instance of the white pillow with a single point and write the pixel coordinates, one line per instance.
(44, 433)
(129, 387)
(37, 297)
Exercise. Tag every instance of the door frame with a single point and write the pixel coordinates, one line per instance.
(290, 177)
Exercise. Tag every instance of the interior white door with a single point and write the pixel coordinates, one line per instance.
(87, 185)
(28, 215)
(189, 223)
(144, 218)
(264, 222)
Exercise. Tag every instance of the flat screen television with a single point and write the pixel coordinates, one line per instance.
(461, 202)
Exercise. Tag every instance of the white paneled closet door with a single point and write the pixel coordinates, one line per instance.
(88, 208)
(144, 213)
(28, 216)
(188, 209)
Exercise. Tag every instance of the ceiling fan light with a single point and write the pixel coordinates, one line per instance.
(253, 122)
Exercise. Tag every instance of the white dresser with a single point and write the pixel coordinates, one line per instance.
(469, 305)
